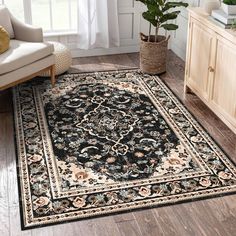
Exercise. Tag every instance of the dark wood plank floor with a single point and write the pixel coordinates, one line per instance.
(212, 217)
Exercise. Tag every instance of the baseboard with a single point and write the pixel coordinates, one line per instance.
(119, 50)
(104, 51)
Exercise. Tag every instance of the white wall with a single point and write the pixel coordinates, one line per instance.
(131, 23)
(179, 37)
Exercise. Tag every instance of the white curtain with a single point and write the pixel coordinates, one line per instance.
(98, 24)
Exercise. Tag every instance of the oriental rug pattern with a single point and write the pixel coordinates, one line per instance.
(107, 142)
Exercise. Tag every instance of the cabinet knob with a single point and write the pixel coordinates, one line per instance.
(211, 69)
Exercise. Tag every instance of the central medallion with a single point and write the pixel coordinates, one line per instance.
(108, 123)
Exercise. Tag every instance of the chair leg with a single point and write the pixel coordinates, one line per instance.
(53, 75)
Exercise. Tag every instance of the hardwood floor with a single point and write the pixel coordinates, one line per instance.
(210, 217)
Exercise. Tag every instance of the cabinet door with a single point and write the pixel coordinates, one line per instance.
(201, 46)
(223, 94)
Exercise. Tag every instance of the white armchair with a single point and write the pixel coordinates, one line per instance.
(28, 56)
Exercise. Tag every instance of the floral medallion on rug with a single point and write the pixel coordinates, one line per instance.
(103, 143)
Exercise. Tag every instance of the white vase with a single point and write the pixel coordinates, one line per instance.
(209, 5)
(229, 9)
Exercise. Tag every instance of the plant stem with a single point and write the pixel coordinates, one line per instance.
(156, 33)
(149, 34)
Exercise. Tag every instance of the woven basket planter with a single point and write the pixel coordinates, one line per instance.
(153, 54)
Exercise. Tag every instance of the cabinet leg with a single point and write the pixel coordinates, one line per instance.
(187, 90)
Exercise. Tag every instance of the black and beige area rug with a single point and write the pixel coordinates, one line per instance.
(103, 143)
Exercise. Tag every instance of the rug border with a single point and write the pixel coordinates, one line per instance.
(17, 164)
(23, 227)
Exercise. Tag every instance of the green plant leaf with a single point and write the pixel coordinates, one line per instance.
(154, 9)
(229, 2)
(159, 12)
(160, 2)
(170, 5)
(169, 16)
(143, 1)
(170, 26)
(150, 17)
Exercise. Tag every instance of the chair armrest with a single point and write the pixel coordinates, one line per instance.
(26, 32)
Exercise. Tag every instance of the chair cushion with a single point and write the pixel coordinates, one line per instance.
(4, 40)
(5, 21)
(22, 53)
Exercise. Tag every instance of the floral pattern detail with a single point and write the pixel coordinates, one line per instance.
(106, 142)
(79, 202)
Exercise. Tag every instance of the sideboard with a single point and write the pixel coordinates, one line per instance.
(211, 65)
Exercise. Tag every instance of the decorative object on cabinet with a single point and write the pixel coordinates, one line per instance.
(222, 17)
(233, 26)
(229, 7)
(153, 48)
(106, 142)
(210, 65)
(210, 5)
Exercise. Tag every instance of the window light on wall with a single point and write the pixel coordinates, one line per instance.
(51, 15)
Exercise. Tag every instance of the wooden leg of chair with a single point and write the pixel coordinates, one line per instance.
(53, 76)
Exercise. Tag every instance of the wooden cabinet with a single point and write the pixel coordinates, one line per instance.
(199, 58)
(211, 65)
(223, 96)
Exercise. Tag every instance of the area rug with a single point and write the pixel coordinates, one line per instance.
(109, 142)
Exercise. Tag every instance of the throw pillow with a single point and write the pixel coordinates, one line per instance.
(4, 40)
(5, 20)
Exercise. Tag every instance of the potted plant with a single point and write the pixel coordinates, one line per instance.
(153, 48)
(229, 7)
